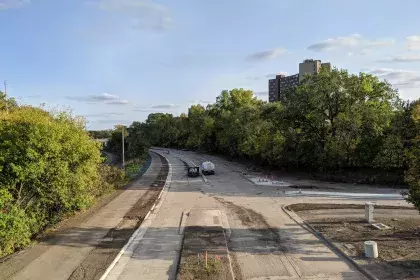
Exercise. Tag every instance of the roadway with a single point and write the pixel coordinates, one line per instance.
(263, 241)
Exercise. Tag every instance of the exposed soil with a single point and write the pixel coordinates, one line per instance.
(399, 256)
(204, 255)
(248, 217)
(95, 264)
(194, 267)
(261, 231)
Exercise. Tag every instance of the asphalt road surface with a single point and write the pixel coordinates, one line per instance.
(264, 242)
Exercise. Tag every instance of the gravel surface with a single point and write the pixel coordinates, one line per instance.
(398, 258)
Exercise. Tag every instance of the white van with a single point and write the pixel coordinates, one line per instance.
(207, 168)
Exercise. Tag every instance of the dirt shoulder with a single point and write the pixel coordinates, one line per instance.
(398, 256)
(95, 264)
(114, 239)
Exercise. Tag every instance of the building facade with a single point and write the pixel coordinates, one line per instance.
(282, 82)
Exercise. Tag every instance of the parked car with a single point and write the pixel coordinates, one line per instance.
(193, 171)
(207, 168)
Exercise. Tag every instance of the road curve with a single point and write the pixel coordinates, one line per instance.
(264, 242)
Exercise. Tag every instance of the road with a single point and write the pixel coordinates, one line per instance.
(264, 242)
(111, 159)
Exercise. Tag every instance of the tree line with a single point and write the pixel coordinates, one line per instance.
(333, 121)
(49, 168)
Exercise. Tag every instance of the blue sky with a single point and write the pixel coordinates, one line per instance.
(116, 61)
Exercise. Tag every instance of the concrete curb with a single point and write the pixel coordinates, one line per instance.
(146, 220)
(305, 225)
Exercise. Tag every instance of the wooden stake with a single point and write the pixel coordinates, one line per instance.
(206, 259)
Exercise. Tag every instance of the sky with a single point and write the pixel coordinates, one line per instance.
(116, 61)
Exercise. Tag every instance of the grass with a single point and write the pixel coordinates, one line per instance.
(195, 267)
(132, 169)
(137, 167)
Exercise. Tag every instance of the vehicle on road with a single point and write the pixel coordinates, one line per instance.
(193, 171)
(207, 168)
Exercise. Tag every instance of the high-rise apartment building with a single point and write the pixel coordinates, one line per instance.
(282, 82)
(311, 66)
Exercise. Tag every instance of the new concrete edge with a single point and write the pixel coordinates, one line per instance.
(305, 225)
(146, 219)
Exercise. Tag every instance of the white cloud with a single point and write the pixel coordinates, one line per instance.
(144, 110)
(10, 4)
(100, 115)
(266, 55)
(141, 13)
(413, 42)
(267, 76)
(351, 44)
(261, 93)
(165, 106)
(399, 78)
(103, 97)
(118, 102)
(203, 102)
(402, 58)
(110, 121)
(155, 108)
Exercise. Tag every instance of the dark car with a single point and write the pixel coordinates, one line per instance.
(193, 171)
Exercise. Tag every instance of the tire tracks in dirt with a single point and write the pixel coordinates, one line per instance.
(95, 264)
(263, 233)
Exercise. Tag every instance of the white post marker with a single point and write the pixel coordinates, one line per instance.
(371, 249)
(122, 136)
(369, 212)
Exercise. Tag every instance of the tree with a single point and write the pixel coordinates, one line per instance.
(100, 134)
(6, 103)
(412, 175)
(137, 141)
(114, 143)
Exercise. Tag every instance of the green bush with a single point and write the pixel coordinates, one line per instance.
(110, 177)
(49, 167)
(15, 230)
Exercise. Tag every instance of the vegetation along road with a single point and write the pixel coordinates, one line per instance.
(64, 214)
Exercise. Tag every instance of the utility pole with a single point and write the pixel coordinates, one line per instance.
(5, 95)
(123, 159)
